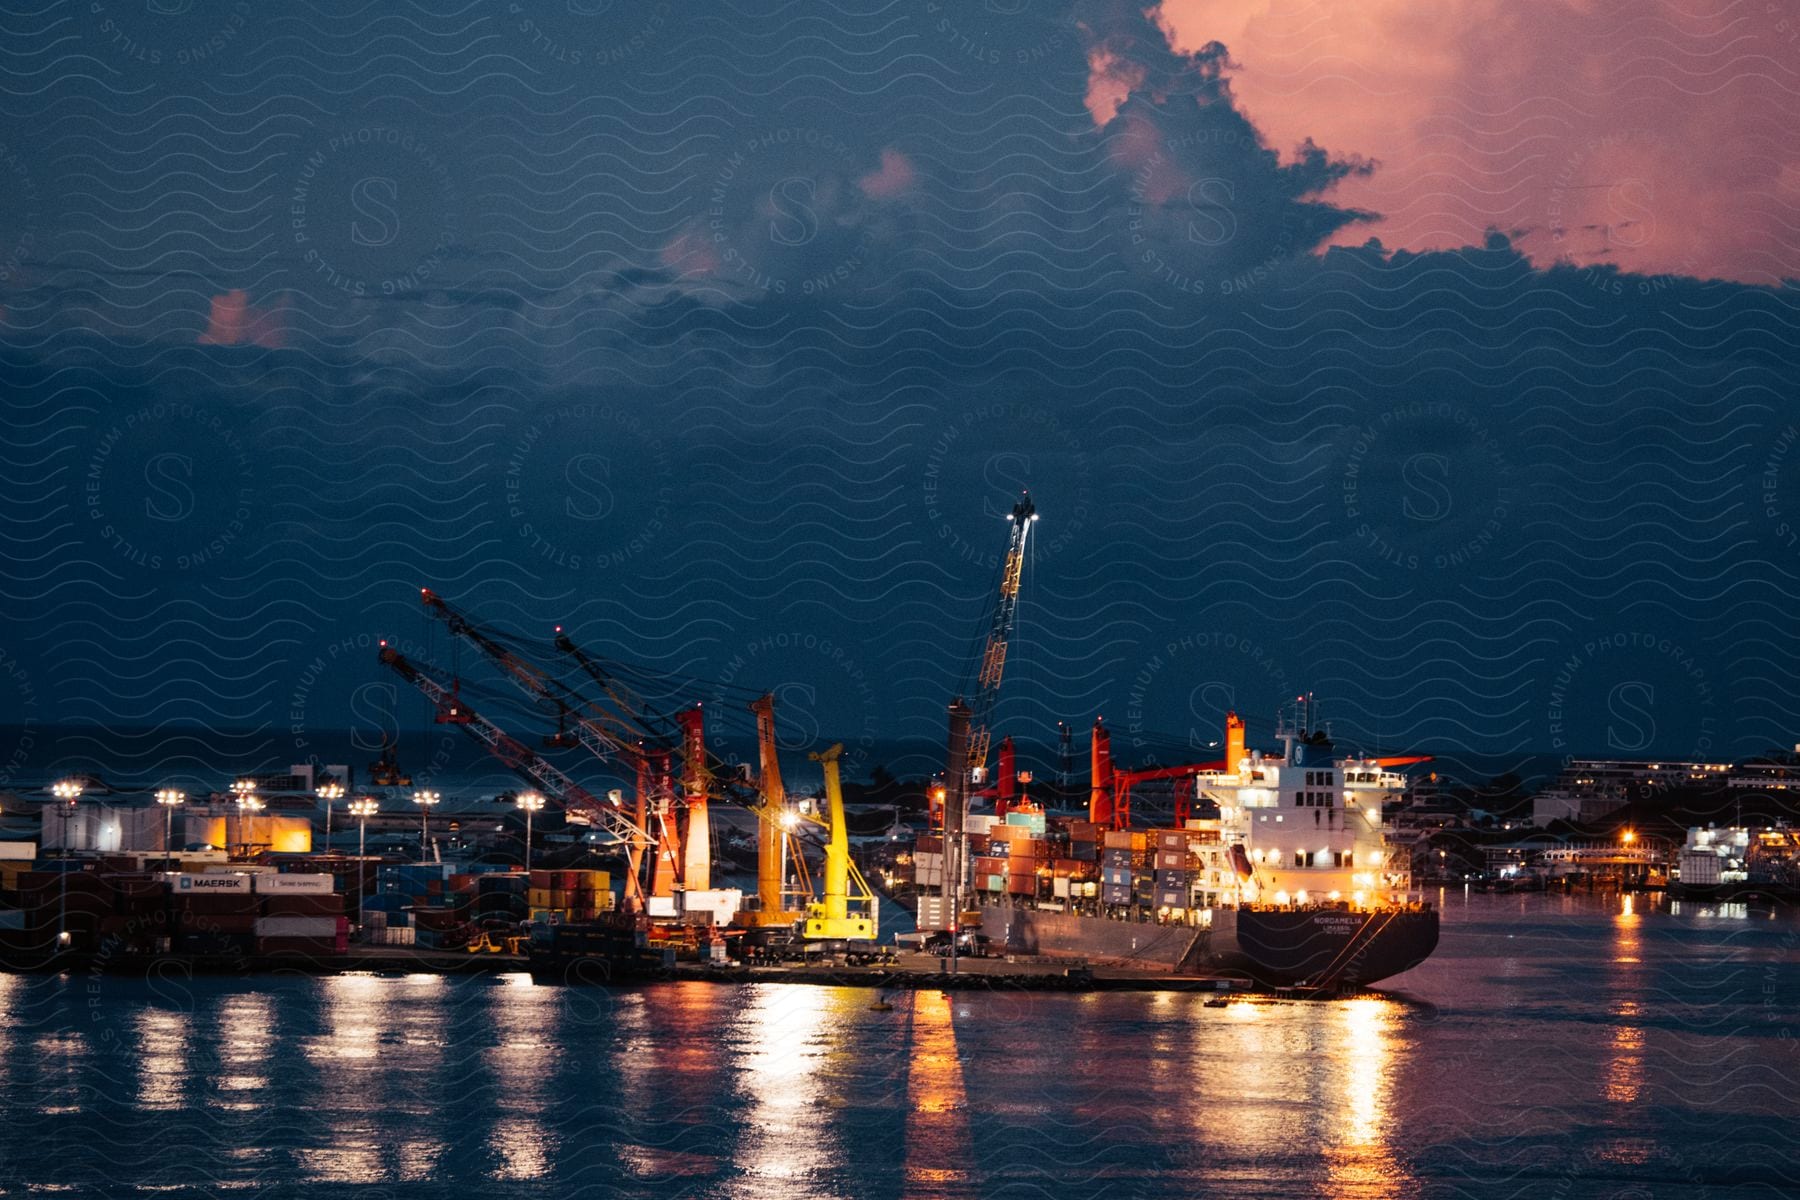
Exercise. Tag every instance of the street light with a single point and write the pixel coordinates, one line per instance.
(531, 802)
(425, 800)
(330, 791)
(790, 821)
(67, 792)
(169, 798)
(247, 802)
(362, 809)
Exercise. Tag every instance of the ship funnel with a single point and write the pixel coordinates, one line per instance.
(1234, 742)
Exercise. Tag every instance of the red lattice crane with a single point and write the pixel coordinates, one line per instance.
(576, 800)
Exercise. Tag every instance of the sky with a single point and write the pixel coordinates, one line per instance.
(1438, 359)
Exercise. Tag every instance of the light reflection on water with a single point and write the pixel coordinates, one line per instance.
(1551, 1044)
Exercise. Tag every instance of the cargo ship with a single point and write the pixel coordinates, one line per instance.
(1276, 870)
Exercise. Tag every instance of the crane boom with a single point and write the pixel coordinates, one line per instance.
(993, 652)
(606, 734)
(521, 758)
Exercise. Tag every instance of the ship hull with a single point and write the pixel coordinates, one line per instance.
(1271, 947)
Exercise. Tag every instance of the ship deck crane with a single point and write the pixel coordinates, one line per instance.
(453, 710)
(1109, 797)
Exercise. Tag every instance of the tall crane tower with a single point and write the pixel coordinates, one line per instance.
(971, 732)
(993, 653)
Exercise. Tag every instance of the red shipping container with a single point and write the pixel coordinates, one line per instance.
(219, 904)
(1171, 860)
(1022, 885)
(436, 918)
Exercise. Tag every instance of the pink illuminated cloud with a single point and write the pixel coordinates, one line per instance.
(1654, 136)
(894, 176)
(234, 321)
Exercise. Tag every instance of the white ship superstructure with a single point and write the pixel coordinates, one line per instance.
(1310, 826)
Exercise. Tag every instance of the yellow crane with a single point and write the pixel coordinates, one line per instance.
(831, 917)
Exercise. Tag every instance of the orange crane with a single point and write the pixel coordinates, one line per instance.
(774, 829)
(576, 800)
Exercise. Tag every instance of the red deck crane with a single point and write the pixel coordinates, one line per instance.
(1109, 800)
(576, 800)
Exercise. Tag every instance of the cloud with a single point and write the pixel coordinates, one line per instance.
(1209, 205)
(1650, 136)
(234, 321)
(895, 175)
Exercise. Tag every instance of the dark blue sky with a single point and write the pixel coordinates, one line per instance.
(724, 338)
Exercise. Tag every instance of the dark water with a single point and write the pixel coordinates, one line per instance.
(1552, 1047)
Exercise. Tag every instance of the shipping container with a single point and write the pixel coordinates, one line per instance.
(1171, 860)
(1114, 894)
(302, 927)
(297, 883)
(210, 883)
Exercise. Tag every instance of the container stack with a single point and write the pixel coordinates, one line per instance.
(569, 895)
(1123, 861)
(928, 862)
(109, 913)
(1172, 876)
